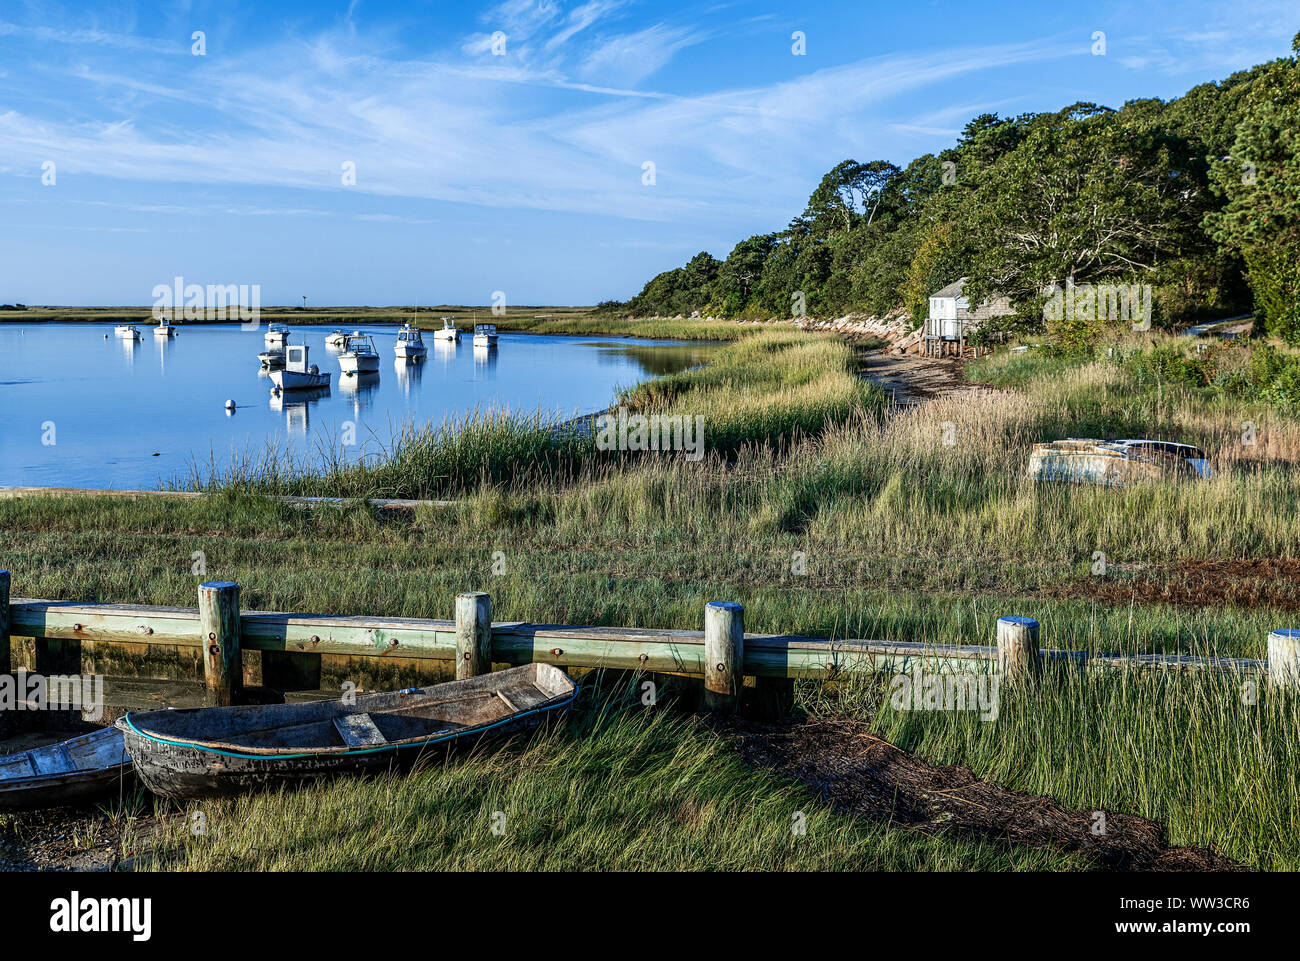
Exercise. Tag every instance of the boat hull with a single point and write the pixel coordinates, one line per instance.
(411, 352)
(485, 340)
(237, 758)
(1104, 464)
(297, 380)
(81, 769)
(359, 364)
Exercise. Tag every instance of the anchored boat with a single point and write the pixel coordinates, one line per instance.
(359, 355)
(485, 335)
(297, 374)
(1116, 463)
(336, 339)
(277, 335)
(448, 330)
(164, 328)
(224, 750)
(128, 331)
(85, 767)
(410, 344)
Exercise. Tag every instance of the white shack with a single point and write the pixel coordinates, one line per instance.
(952, 320)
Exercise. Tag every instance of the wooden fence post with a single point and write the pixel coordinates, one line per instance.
(473, 634)
(1018, 647)
(6, 722)
(223, 666)
(724, 655)
(1284, 658)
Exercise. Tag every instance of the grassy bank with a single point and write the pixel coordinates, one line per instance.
(904, 537)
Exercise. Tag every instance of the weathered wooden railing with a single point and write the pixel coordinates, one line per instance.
(723, 653)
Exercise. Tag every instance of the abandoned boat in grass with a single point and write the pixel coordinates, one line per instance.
(225, 750)
(80, 769)
(1116, 463)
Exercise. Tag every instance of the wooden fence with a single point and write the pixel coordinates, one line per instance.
(723, 654)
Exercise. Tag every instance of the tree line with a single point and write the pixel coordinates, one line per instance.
(1198, 197)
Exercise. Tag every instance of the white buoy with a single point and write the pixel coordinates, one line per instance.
(230, 405)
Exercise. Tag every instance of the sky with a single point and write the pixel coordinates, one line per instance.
(555, 152)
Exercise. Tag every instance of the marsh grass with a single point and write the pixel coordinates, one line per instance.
(611, 787)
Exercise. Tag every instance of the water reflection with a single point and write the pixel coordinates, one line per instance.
(129, 345)
(445, 352)
(485, 362)
(409, 372)
(360, 389)
(296, 406)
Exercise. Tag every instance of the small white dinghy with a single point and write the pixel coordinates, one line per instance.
(277, 335)
(410, 344)
(127, 331)
(485, 335)
(448, 330)
(297, 375)
(359, 355)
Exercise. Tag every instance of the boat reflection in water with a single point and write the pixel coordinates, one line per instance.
(128, 349)
(296, 406)
(361, 389)
(485, 362)
(409, 371)
(444, 351)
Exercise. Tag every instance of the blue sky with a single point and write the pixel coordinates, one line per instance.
(522, 171)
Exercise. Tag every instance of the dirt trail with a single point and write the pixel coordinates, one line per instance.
(911, 380)
(857, 772)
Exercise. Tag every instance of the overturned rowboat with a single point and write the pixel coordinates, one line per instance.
(225, 750)
(81, 769)
(1116, 463)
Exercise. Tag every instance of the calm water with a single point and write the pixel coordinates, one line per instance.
(132, 415)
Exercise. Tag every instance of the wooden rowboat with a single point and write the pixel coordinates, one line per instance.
(1116, 463)
(225, 750)
(80, 769)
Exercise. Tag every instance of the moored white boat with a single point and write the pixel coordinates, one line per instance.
(129, 331)
(448, 330)
(336, 339)
(297, 373)
(359, 355)
(485, 335)
(410, 344)
(164, 329)
(277, 335)
(272, 358)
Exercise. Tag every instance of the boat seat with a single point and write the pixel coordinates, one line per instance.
(358, 730)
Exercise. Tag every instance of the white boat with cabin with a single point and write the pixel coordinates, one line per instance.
(277, 335)
(336, 339)
(410, 344)
(359, 355)
(448, 331)
(164, 328)
(129, 331)
(485, 335)
(297, 373)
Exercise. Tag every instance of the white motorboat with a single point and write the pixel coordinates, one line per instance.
(359, 355)
(272, 358)
(129, 331)
(448, 331)
(336, 339)
(297, 374)
(277, 335)
(410, 344)
(485, 335)
(164, 328)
